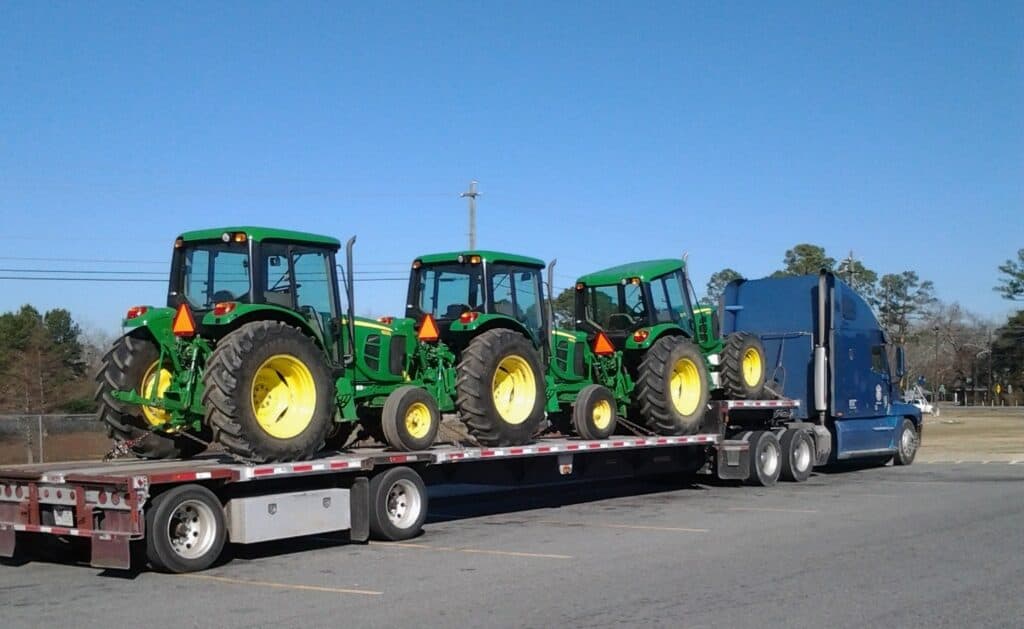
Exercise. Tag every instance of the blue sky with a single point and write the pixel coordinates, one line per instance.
(599, 132)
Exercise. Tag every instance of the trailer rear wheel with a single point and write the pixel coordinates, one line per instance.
(798, 453)
(906, 447)
(398, 504)
(185, 529)
(594, 415)
(765, 459)
(672, 386)
(410, 419)
(743, 367)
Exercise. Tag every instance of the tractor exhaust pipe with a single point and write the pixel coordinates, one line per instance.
(820, 356)
(551, 306)
(350, 295)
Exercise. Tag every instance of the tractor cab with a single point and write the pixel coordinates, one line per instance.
(474, 290)
(235, 271)
(627, 300)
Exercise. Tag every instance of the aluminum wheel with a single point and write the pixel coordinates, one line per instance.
(192, 529)
(908, 442)
(404, 503)
(802, 455)
(768, 459)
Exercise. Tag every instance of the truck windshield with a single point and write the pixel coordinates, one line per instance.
(214, 272)
(616, 307)
(445, 291)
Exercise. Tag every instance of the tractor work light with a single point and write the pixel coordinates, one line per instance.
(474, 259)
(235, 237)
(240, 237)
(469, 316)
(635, 281)
(179, 243)
(641, 335)
(417, 264)
(136, 311)
(224, 307)
(580, 286)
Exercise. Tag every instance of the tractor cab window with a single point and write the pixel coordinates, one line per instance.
(215, 272)
(313, 281)
(296, 277)
(616, 308)
(445, 291)
(669, 305)
(515, 293)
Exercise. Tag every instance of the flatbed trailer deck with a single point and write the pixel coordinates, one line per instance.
(186, 510)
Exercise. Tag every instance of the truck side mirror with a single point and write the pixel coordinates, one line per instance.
(901, 362)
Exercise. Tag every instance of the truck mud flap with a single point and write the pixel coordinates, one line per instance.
(8, 539)
(111, 551)
(733, 460)
(359, 510)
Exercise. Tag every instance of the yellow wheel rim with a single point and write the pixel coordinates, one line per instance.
(601, 414)
(283, 396)
(155, 416)
(514, 388)
(751, 367)
(684, 386)
(417, 420)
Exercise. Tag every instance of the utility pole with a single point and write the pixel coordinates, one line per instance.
(849, 268)
(471, 194)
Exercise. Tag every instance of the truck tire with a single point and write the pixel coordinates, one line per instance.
(131, 365)
(268, 394)
(398, 504)
(410, 419)
(907, 444)
(765, 459)
(594, 413)
(798, 455)
(185, 529)
(742, 368)
(672, 386)
(500, 388)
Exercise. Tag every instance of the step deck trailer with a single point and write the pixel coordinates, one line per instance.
(185, 511)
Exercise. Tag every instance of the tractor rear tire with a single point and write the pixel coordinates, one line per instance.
(500, 388)
(269, 395)
(672, 386)
(127, 367)
(410, 419)
(594, 414)
(743, 367)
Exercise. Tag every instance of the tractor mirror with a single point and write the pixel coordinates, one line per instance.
(901, 362)
(275, 260)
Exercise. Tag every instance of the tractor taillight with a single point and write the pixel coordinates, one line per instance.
(641, 335)
(386, 320)
(469, 316)
(225, 307)
(136, 311)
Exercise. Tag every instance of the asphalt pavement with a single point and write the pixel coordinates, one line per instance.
(931, 545)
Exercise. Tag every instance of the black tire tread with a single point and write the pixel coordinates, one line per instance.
(651, 388)
(731, 370)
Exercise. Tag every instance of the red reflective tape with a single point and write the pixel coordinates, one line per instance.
(456, 455)
(618, 444)
(302, 468)
(544, 449)
(487, 453)
(640, 442)
(662, 440)
(572, 446)
(339, 465)
(263, 471)
(398, 458)
(60, 530)
(593, 446)
(516, 451)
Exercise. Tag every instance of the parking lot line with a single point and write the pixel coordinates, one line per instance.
(475, 551)
(772, 509)
(283, 586)
(639, 527)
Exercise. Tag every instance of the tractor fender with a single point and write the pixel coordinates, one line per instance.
(655, 332)
(247, 313)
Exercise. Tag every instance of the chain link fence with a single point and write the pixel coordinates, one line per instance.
(42, 438)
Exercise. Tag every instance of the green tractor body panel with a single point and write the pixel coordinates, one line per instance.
(259, 234)
(216, 327)
(645, 270)
(157, 320)
(654, 333)
(485, 255)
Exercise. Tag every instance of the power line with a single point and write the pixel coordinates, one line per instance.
(158, 281)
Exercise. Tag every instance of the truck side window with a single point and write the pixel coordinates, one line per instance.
(878, 362)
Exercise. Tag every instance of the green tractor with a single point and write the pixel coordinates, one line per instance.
(671, 347)
(253, 351)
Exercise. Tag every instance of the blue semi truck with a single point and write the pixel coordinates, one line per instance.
(825, 348)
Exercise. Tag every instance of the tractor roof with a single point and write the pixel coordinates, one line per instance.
(261, 233)
(645, 270)
(488, 256)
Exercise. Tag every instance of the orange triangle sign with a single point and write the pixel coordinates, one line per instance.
(602, 345)
(184, 324)
(428, 330)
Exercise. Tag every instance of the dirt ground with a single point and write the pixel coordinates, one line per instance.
(973, 433)
(958, 433)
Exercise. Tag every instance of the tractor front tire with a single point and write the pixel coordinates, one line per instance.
(672, 386)
(130, 365)
(410, 419)
(268, 394)
(743, 367)
(500, 388)
(594, 414)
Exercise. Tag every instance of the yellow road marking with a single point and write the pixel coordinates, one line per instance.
(639, 527)
(475, 551)
(773, 510)
(284, 586)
